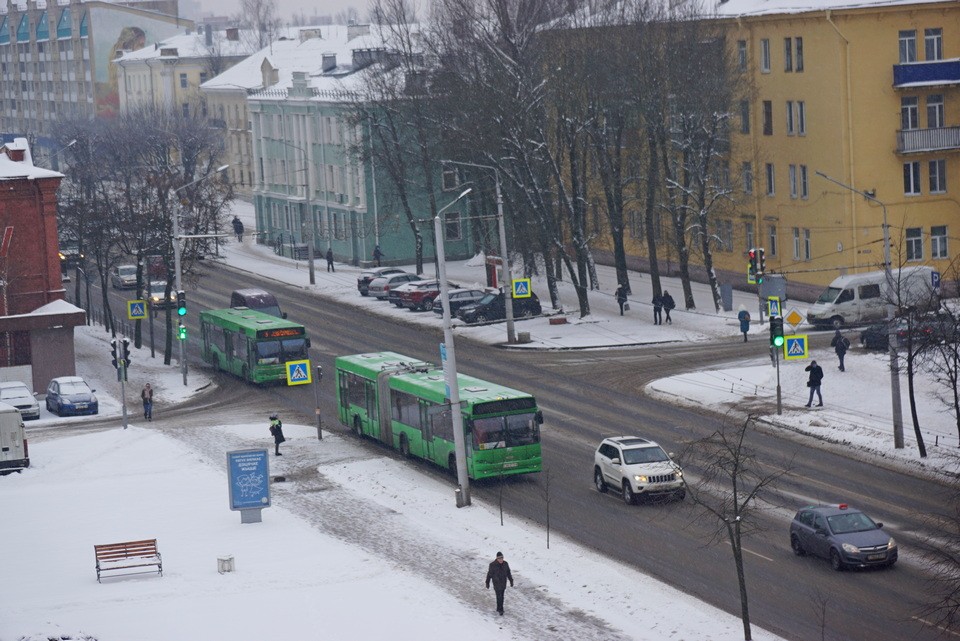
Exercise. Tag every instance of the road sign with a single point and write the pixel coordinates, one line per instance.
(298, 373)
(794, 317)
(521, 288)
(795, 347)
(136, 309)
(935, 279)
(773, 305)
(751, 275)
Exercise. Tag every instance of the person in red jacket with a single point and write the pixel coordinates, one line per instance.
(499, 573)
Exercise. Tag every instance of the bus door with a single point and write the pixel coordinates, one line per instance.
(428, 413)
(370, 402)
(383, 430)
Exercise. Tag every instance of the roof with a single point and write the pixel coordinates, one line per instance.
(734, 8)
(193, 46)
(830, 510)
(22, 169)
(632, 441)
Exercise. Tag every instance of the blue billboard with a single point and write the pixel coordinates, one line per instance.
(248, 474)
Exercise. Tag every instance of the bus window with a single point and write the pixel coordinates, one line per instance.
(488, 433)
(268, 352)
(522, 430)
(294, 349)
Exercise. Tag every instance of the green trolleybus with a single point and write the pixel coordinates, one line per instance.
(250, 344)
(402, 402)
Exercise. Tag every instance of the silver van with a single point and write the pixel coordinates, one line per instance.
(859, 299)
(258, 299)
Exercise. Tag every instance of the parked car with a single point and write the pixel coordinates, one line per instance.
(124, 277)
(71, 395)
(638, 467)
(421, 294)
(845, 536)
(380, 287)
(925, 329)
(394, 296)
(459, 298)
(367, 275)
(491, 307)
(156, 299)
(19, 395)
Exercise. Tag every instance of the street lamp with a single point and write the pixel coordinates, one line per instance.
(505, 274)
(448, 357)
(306, 186)
(176, 255)
(891, 334)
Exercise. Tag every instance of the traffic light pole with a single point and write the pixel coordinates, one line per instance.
(776, 356)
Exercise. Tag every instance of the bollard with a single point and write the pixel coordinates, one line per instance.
(225, 564)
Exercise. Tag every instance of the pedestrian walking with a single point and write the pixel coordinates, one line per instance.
(238, 228)
(744, 317)
(657, 309)
(621, 295)
(840, 345)
(330, 267)
(668, 304)
(499, 573)
(377, 255)
(816, 377)
(146, 395)
(276, 430)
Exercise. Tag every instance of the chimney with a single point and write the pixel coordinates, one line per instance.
(208, 35)
(233, 34)
(19, 155)
(357, 30)
(329, 62)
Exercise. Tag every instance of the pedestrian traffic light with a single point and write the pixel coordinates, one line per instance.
(126, 352)
(776, 331)
(113, 353)
(182, 332)
(761, 265)
(181, 303)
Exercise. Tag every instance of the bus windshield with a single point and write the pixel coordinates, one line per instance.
(505, 431)
(271, 352)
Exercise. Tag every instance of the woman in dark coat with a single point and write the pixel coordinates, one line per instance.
(276, 430)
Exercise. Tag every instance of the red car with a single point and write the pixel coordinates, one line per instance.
(420, 296)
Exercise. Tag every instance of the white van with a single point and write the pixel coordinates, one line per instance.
(13, 443)
(858, 299)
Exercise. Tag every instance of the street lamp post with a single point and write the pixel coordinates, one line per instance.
(505, 273)
(307, 203)
(891, 333)
(449, 358)
(178, 277)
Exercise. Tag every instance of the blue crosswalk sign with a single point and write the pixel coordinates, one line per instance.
(521, 288)
(298, 373)
(795, 347)
(136, 309)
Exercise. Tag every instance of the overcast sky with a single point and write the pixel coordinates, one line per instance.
(286, 8)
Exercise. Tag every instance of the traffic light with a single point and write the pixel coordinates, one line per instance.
(182, 332)
(776, 331)
(126, 352)
(113, 354)
(751, 265)
(181, 303)
(761, 265)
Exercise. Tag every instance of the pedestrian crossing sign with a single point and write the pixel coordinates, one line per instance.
(773, 306)
(795, 347)
(521, 288)
(298, 373)
(136, 309)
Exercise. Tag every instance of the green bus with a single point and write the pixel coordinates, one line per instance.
(402, 402)
(250, 344)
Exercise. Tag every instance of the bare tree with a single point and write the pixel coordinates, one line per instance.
(261, 19)
(941, 556)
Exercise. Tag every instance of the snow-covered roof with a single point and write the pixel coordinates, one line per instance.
(193, 46)
(22, 169)
(734, 8)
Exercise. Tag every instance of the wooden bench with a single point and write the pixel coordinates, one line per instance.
(130, 554)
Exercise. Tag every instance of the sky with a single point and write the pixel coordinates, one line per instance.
(285, 8)
(368, 533)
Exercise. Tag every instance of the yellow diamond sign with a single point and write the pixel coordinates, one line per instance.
(794, 317)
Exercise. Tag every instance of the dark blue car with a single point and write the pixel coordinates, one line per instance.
(70, 395)
(845, 536)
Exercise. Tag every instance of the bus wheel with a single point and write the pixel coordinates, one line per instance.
(404, 446)
(357, 427)
(452, 464)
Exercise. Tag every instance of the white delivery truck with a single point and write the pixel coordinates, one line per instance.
(858, 299)
(13, 443)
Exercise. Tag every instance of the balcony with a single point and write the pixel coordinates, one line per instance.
(936, 73)
(914, 141)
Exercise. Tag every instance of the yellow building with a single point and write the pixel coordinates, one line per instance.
(846, 99)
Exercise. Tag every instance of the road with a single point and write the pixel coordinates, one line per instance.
(587, 395)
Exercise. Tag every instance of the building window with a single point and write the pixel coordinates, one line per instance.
(911, 178)
(451, 225)
(185, 109)
(450, 178)
(183, 81)
(909, 113)
(914, 243)
(801, 118)
(772, 240)
(788, 54)
(790, 125)
(796, 243)
(807, 252)
(741, 55)
(804, 188)
(793, 180)
(765, 56)
(725, 235)
(908, 46)
(938, 176)
(938, 241)
(798, 47)
(203, 77)
(744, 116)
(935, 111)
(933, 44)
(748, 235)
(771, 180)
(767, 118)
(747, 175)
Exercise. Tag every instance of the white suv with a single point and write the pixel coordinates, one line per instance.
(637, 466)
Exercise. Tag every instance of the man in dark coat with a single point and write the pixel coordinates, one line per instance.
(238, 228)
(840, 345)
(621, 295)
(668, 304)
(276, 430)
(499, 573)
(377, 255)
(330, 267)
(816, 376)
(657, 309)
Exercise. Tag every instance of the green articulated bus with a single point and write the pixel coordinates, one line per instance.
(402, 402)
(250, 344)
